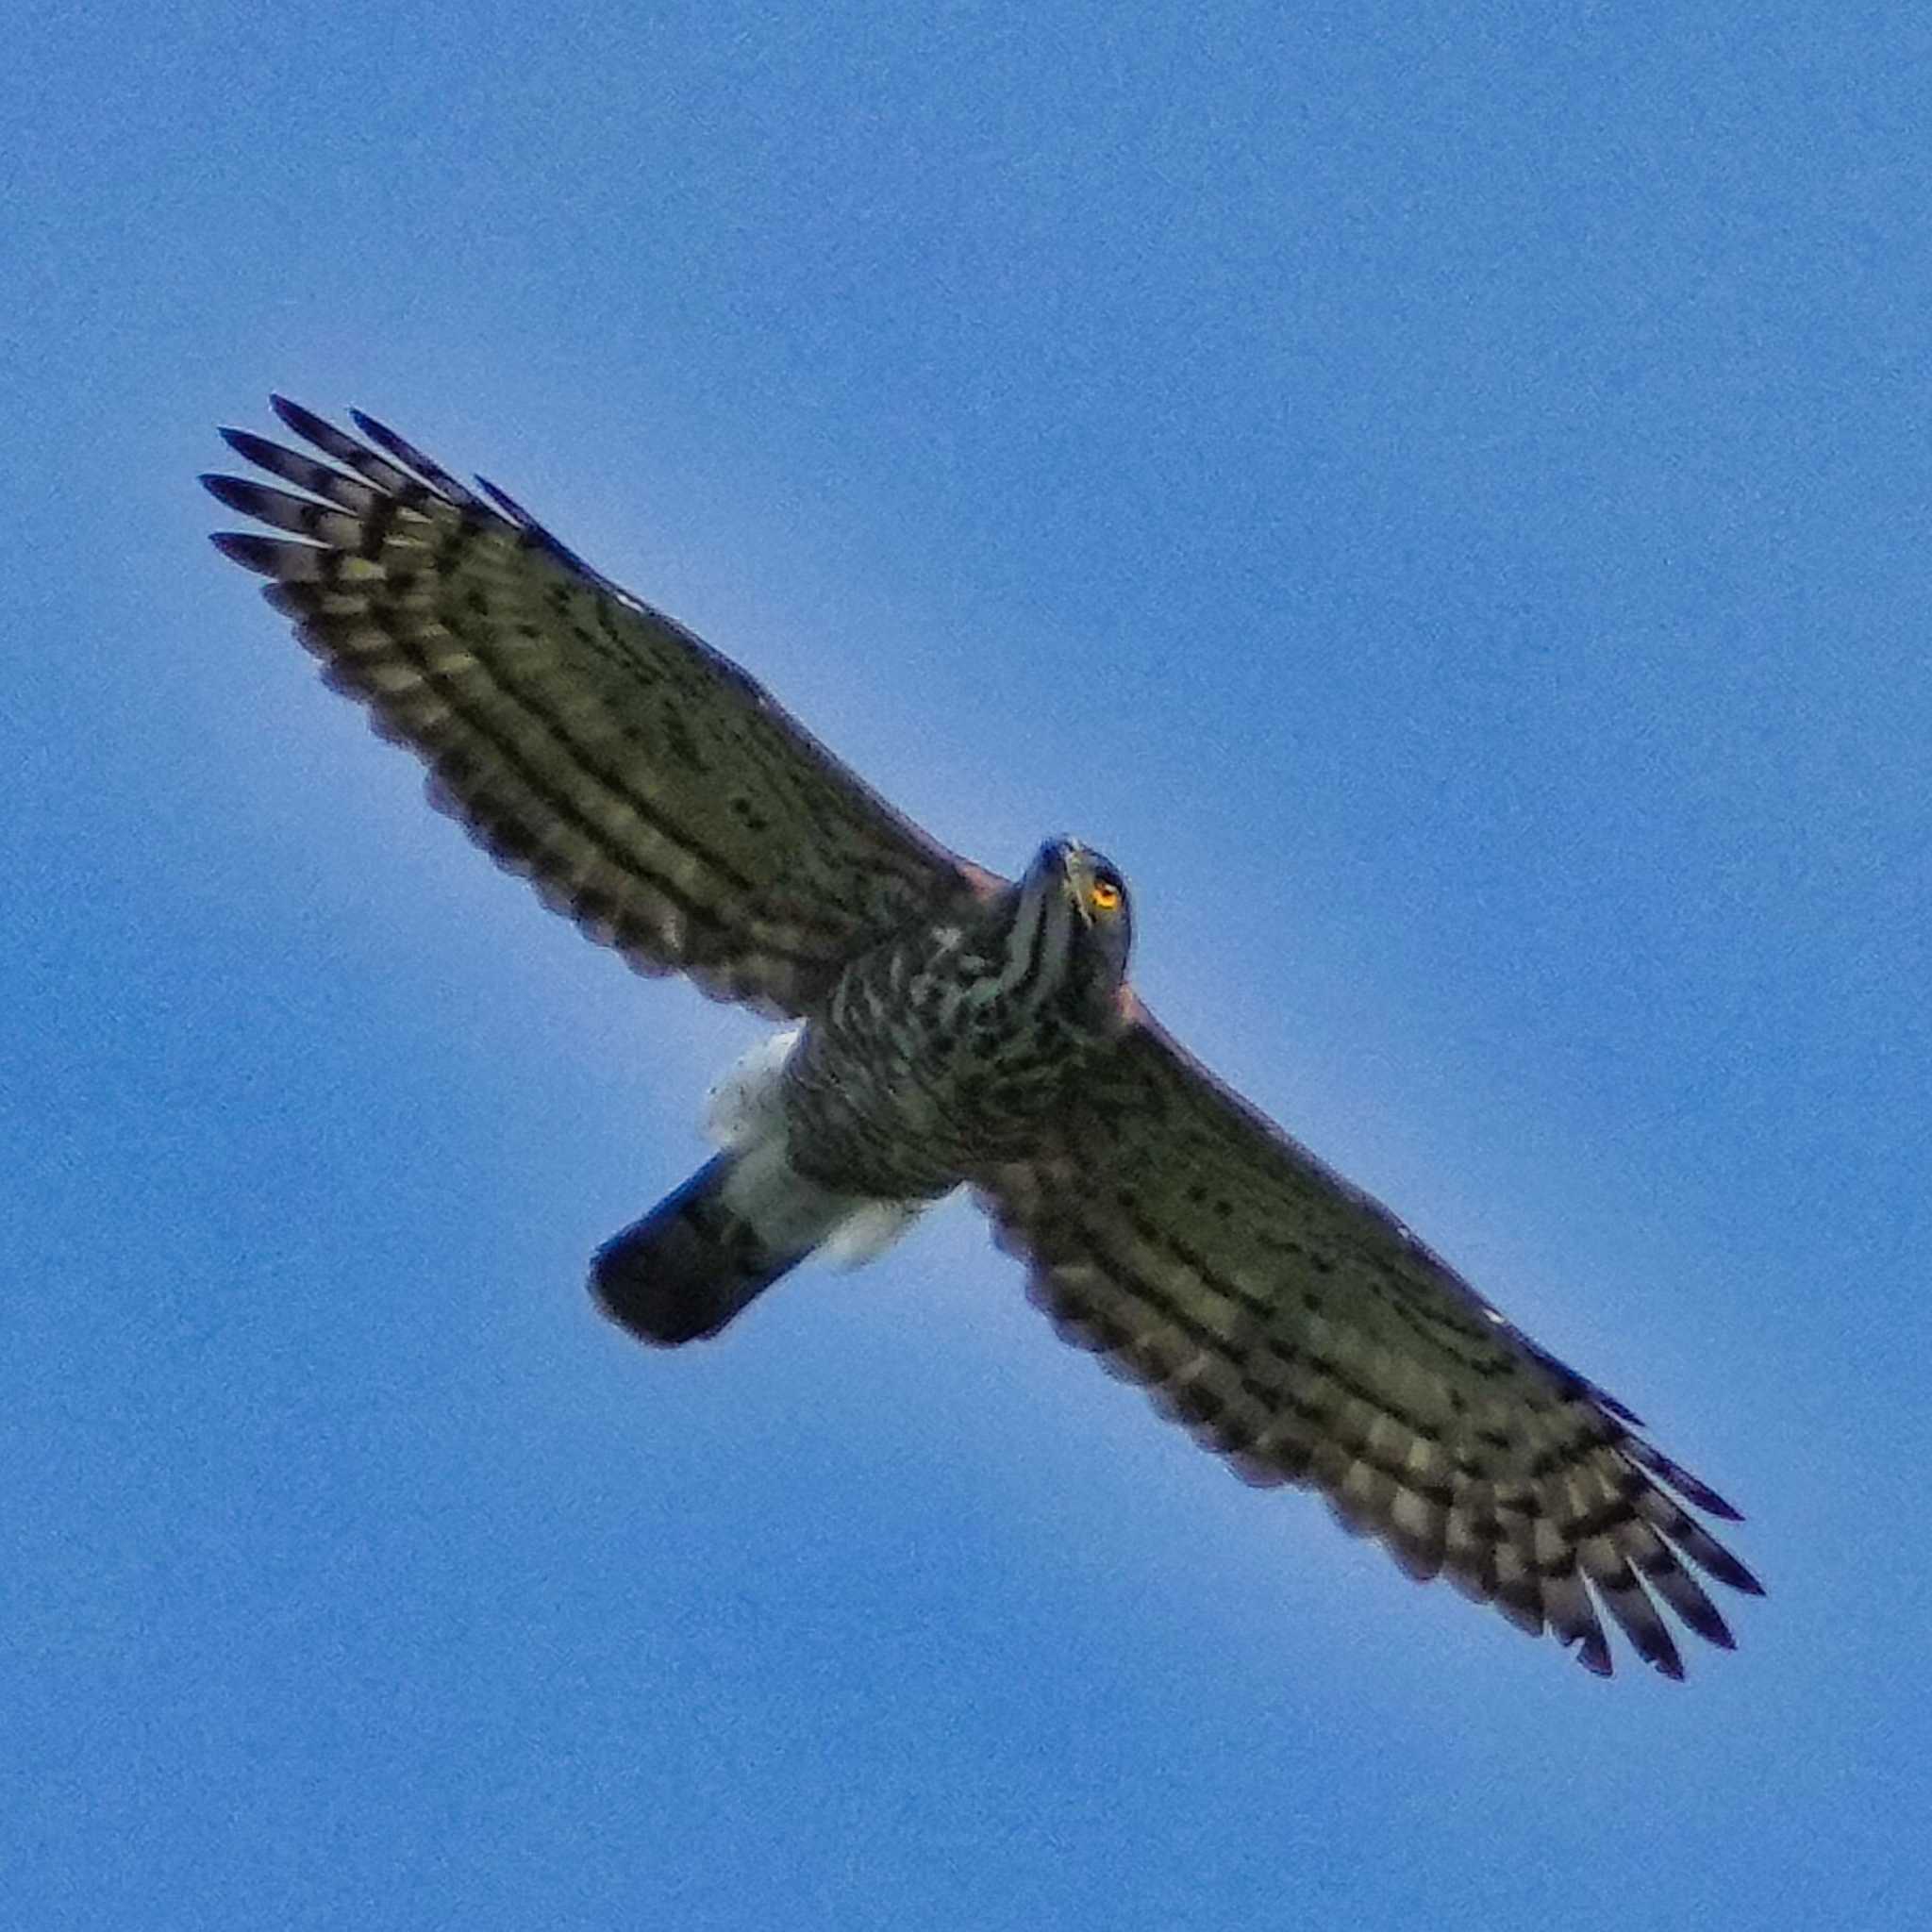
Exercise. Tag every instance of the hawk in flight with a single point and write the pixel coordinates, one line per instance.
(952, 1027)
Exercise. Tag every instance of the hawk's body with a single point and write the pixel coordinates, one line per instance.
(937, 1055)
(941, 1054)
(957, 1029)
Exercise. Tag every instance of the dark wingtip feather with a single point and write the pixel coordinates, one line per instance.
(1699, 1493)
(1712, 1504)
(233, 492)
(406, 453)
(267, 556)
(1715, 1560)
(260, 451)
(1741, 1578)
(305, 422)
(392, 443)
(245, 443)
(1593, 1654)
(1686, 1598)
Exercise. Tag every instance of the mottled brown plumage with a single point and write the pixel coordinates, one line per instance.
(957, 1028)
(648, 785)
(1296, 1327)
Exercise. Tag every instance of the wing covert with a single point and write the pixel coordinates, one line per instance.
(1297, 1328)
(646, 785)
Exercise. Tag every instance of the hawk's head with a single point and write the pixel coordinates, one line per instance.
(1078, 902)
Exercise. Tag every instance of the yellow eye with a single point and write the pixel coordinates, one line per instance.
(1104, 897)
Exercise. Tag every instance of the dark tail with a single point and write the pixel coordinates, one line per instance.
(689, 1266)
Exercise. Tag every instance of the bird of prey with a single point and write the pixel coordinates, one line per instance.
(951, 1028)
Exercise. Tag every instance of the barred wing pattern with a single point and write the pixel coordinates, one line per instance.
(648, 787)
(1296, 1327)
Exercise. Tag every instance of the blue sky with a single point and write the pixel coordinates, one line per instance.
(1443, 503)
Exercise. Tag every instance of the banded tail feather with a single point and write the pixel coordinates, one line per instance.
(690, 1264)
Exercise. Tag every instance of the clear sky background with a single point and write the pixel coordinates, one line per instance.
(1444, 502)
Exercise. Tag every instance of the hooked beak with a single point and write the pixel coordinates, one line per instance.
(1067, 858)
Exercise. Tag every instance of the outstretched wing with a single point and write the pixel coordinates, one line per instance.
(1299, 1330)
(646, 785)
